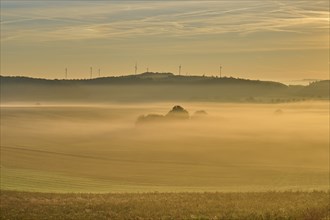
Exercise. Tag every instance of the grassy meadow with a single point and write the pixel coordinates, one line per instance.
(240, 161)
(99, 148)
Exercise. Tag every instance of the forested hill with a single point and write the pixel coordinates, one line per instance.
(157, 87)
(143, 78)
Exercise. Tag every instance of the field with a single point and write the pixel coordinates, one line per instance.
(56, 147)
(92, 161)
(253, 206)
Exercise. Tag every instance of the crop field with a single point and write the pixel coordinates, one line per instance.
(99, 148)
(263, 205)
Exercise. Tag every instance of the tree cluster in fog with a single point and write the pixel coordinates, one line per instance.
(177, 113)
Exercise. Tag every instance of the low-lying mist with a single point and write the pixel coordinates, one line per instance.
(103, 147)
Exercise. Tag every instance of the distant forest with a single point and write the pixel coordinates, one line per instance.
(158, 87)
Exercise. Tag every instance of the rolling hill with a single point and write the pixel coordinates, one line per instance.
(150, 86)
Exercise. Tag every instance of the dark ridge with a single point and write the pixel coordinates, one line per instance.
(143, 78)
(151, 86)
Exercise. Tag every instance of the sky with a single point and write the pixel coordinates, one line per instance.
(255, 39)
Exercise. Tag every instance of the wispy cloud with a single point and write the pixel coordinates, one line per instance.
(118, 20)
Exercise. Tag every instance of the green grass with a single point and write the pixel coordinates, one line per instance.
(250, 205)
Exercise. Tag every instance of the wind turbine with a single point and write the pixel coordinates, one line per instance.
(220, 70)
(180, 70)
(136, 68)
(91, 72)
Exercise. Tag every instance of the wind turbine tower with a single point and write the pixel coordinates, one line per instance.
(180, 70)
(136, 68)
(66, 73)
(220, 71)
(91, 72)
(99, 72)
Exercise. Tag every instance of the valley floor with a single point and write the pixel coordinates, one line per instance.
(100, 149)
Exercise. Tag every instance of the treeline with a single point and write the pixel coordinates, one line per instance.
(158, 87)
(144, 78)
